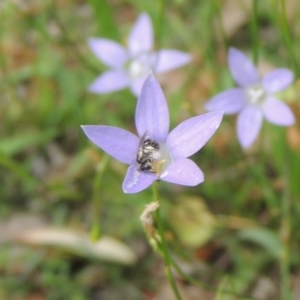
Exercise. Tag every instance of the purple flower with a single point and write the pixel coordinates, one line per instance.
(253, 98)
(130, 67)
(156, 154)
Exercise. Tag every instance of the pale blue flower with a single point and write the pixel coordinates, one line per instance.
(253, 99)
(154, 153)
(130, 67)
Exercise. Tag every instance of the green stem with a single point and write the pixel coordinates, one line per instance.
(160, 22)
(207, 286)
(159, 26)
(270, 196)
(96, 203)
(164, 247)
(287, 36)
(285, 228)
(218, 8)
(254, 30)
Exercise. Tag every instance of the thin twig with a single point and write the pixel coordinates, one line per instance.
(164, 248)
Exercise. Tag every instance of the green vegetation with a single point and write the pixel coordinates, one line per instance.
(235, 234)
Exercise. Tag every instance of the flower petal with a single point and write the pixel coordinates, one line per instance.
(278, 112)
(137, 84)
(183, 171)
(248, 125)
(189, 136)
(167, 60)
(277, 80)
(152, 114)
(141, 36)
(136, 181)
(242, 68)
(230, 101)
(109, 81)
(109, 52)
(117, 142)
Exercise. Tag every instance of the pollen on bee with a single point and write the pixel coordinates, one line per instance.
(158, 166)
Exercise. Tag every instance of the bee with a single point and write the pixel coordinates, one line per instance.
(148, 155)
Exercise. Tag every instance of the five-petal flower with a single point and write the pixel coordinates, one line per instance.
(156, 154)
(130, 67)
(253, 98)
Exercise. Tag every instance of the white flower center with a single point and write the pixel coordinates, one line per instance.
(255, 95)
(139, 66)
(165, 156)
(136, 69)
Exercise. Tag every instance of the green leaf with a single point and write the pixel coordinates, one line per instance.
(264, 238)
(23, 140)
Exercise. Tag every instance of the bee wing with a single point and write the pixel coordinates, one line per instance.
(140, 152)
(144, 137)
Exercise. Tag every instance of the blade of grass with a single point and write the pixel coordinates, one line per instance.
(254, 30)
(15, 167)
(286, 33)
(104, 18)
(285, 230)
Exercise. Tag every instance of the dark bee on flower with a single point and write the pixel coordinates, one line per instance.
(148, 154)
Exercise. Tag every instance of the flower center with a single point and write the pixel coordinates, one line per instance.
(255, 95)
(139, 66)
(152, 157)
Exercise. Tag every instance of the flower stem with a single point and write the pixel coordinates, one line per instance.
(285, 228)
(96, 204)
(160, 22)
(164, 247)
(287, 36)
(159, 26)
(218, 8)
(254, 30)
(261, 171)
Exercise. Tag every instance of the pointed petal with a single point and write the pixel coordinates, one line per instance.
(230, 101)
(167, 60)
(191, 135)
(183, 171)
(109, 52)
(136, 181)
(141, 36)
(117, 142)
(152, 114)
(248, 125)
(277, 80)
(109, 81)
(242, 68)
(278, 112)
(137, 84)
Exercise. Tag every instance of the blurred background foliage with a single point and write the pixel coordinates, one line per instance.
(59, 192)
